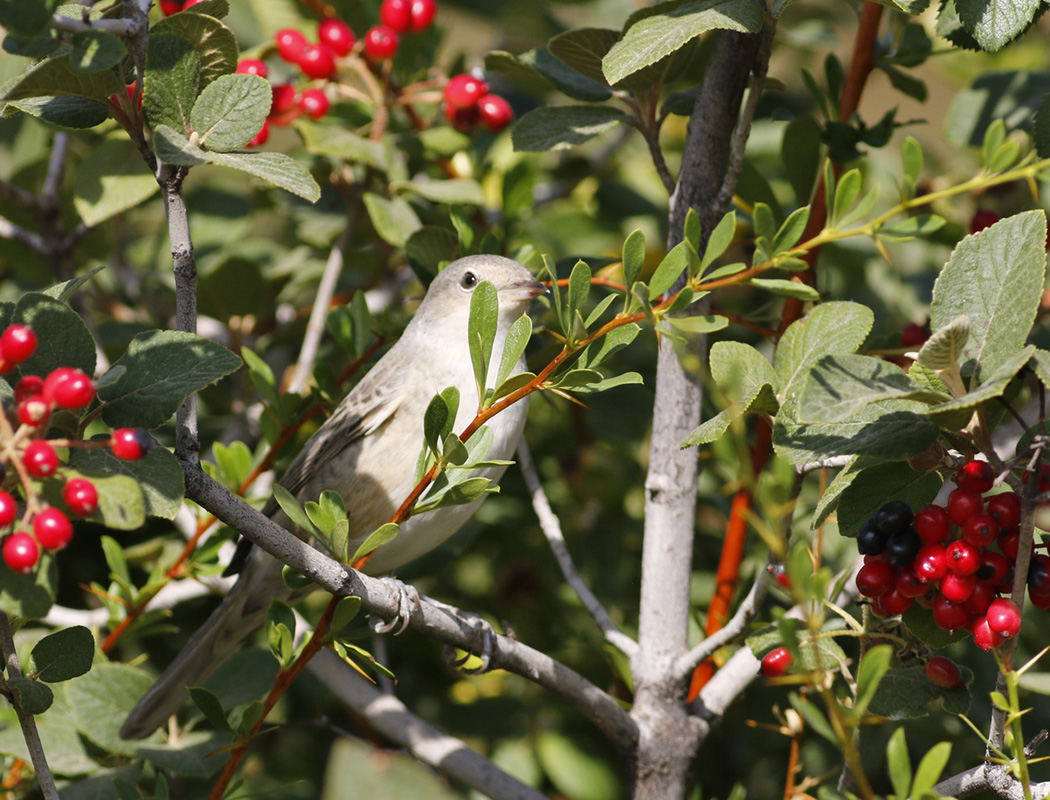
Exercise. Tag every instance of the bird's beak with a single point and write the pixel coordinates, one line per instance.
(523, 291)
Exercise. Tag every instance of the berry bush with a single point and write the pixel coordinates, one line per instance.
(780, 529)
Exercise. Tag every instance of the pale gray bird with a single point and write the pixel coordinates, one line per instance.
(367, 451)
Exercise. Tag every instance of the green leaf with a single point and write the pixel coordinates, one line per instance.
(564, 78)
(62, 337)
(437, 421)
(345, 612)
(633, 257)
(214, 43)
(791, 231)
(995, 23)
(906, 693)
(459, 191)
(28, 595)
(393, 219)
(894, 430)
(872, 485)
(32, 697)
(899, 764)
(670, 268)
(930, 768)
(481, 328)
(562, 127)
(699, 324)
(990, 387)
(127, 490)
(26, 19)
(837, 327)
(276, 168)
(64, 654)
(870, 672)
(994, 277)
(172, 147)
(291, 508)
(95, 50)
(945, 346)
(100, 702)
(56, 76)
(846, 192)
(786, 288)
(583, 49)
(230, 111)
(457, 494)
(380, 536)
(280, 629)
(173, 78)
(336, 142)
(911, 158)
(162, 369)
(113, 180)
(912, 227)
(840, 385)
(664, 28)
(579, 288)
(64, 112)
(514, 347)
(210, 706)
(574, 771)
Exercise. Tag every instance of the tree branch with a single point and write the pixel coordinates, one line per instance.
(552, 530)
(382, 599)
(27, 721)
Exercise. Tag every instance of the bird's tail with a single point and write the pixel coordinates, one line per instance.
(241, 613)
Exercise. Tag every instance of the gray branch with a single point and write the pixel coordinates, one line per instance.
(16, 233)
(27, 721)
(389, 716)
(552, 530)
(380, 597)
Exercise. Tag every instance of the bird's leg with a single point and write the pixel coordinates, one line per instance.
(407, 601)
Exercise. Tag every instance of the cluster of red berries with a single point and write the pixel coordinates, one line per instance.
(169, 7)
(35, 458)
(942, 558)
(468, 102)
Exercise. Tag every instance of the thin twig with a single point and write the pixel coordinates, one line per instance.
(27, 721)
(116, 27)
(16, 233)
(552, 530)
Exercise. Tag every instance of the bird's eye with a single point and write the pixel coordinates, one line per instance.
(469, 280)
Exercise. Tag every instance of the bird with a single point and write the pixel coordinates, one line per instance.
(367, 451)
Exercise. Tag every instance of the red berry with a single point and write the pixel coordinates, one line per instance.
(1040, 601)
(285, 106)
(975, 476)
(983, 636)
(944, 672)
(894, 602)
(76, 391)
(980, 529)
(1008, 541)
(396, 15)
(1004, 617)
(260, 138)
(993, 567)
(290, 44)
(52, 529)
(337, 35)
(54, 380)
(875, 579)
(462, 119)
(496, 112)
(982, 218)
(40, 459)
(1006, 509)
(1039, 575)
(948, 615)
(964, 558)
(169, 7)
(1044, 477)
(381, 43)
(17, 343)
(909, 584)
(913, 335)
(423, 12)
(130, 444)
(253, 66)
(33, 411)
(81, 496)
(8, 508)
(777, 662)
(464, 91)
(932, 523)
(958, 588)
(963, 504)
(983, 595)
(931, 563)
(28, 386)
(317, 61)
(21, 552)
(314, 103)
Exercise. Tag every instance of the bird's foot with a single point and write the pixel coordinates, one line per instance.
(407, 601)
